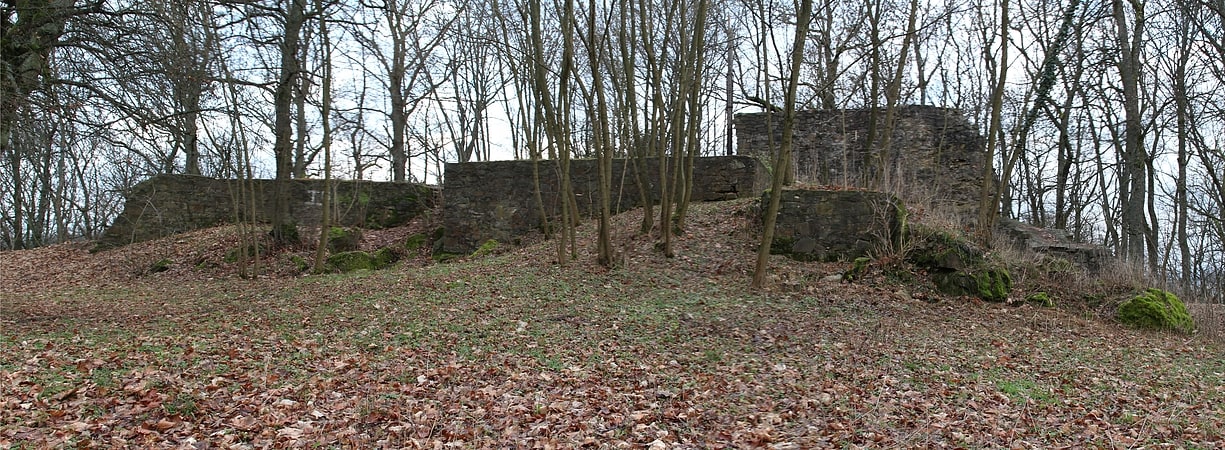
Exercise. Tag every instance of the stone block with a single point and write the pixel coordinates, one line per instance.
(832, 225)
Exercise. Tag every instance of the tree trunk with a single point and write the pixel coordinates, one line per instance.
(601, 140)
(892, 99)
(1182, 114)
(325, 112)
(989, 197)
(284, 230)
(31, 30)
(784, 154)
(1134, 153)
(689, 148)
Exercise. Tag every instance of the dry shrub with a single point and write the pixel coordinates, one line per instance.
(1209, 318)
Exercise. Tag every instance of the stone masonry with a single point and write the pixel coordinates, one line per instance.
(828, 225)
(496, 200)
(935, 155)
(170, 204)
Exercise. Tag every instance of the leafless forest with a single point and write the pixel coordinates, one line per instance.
(1102, 117)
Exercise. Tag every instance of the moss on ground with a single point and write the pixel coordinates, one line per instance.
(299, 263)
(359, 260)
(160, 265)
(233, 255)
(1040, 299)
(385, 257)
(858, 269)
(351, 261)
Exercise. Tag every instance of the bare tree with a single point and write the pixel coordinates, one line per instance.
(803, 18)
(1132, 177)
(403, 44)
(293, 16)
(325, 221)
(30, 32)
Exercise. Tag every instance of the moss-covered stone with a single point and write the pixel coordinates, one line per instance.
(385, 257)
(342, 239)
(415, 242)
(994, 285)
(487, 248)
(1040, 299)
(351, 261)
(359, 260)
(943, 250)
(990, 284)
(1156, 309)
(444, 257)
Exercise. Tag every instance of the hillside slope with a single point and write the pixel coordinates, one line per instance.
(96, 351)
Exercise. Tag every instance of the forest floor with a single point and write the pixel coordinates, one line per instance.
(516, 351)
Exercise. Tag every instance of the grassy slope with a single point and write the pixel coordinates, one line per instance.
(664, 353)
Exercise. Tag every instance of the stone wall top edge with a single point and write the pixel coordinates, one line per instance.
(820, 111)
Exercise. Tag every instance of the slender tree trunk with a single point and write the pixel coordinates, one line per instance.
(17, 196)
(873, 157)
(729, 110)
(325, 219)
(1063, 161)
(601, 141)
(685, 158)
(1182, 114)
(639, 148)
(300, 159)
(557, 116)
(892, 99)
(988, 205)
(803, 20)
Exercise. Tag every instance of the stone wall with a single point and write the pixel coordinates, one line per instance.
(935, 155)
(827, 225)
(496, 200)
(170, 204)
(1057, 243)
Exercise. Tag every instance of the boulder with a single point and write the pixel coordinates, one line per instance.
(957, 266)
(359, 260)
(1156, 309)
